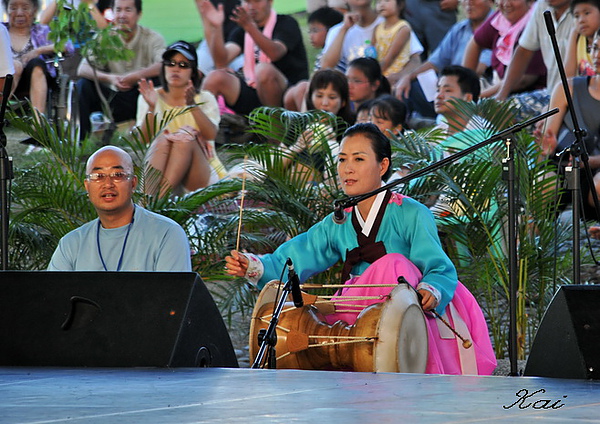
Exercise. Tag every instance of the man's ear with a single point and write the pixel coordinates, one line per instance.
(468, 97)
(134, 182)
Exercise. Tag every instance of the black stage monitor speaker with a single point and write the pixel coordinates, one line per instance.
(567, 343)
(110, 319)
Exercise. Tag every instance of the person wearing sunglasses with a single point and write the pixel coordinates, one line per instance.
(119, 79)
(125, 236)
(184, 152)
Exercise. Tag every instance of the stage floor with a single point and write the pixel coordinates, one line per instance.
(56, 395)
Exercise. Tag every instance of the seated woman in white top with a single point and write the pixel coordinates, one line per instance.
(184, 152)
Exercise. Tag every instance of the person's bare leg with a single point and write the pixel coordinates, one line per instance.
(38, 89)
(156, 160)
(199, 171)
(270, 84)
(223, 83)
(16, 75)
(293, 99)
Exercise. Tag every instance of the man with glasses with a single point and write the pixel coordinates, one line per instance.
(124, 237)
(119, 79)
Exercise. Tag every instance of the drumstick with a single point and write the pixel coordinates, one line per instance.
(465, 342)
(239, 230)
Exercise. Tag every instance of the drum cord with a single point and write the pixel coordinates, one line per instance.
(465, 342)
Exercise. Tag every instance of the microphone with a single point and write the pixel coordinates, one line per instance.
(339, 217)
(295, 283)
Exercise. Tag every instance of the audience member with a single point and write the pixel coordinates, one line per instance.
(462, 131)
(450, 51)
(500, 33)
(586, 14)
(30, 50)
(274, 55)
(391, 38)
(124, 237)
(431, 20)
(362, 112)
(205, 60)
(119, 79)
(313, 151)
(365, 81)
(535, 37)
(319, 23)
(388, 114)
(456, 82)
(585, 91)
(184, 152)
(351, 38)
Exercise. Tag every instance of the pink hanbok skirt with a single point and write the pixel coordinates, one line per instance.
(446, 354)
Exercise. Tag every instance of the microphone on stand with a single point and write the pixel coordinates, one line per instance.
(295, 284)
(339, 217)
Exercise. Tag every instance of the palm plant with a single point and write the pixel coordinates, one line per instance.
(475, 219)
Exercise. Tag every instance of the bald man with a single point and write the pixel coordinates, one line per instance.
(124, 237)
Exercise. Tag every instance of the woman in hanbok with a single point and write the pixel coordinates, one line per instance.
(384, 237)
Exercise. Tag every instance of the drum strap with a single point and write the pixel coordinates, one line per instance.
(468, 361)
(368, 249)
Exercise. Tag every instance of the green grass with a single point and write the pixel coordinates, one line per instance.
(179, 19)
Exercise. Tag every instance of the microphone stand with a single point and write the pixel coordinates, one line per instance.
(508, 171)
(6, 174)
(268, 338)
(578, 152)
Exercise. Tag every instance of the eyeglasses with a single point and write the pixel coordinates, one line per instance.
(24, 9)
(172, 64)
(116, 177)
(353, 81)
(316, 30)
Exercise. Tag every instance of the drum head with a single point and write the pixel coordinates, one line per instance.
(402, 334)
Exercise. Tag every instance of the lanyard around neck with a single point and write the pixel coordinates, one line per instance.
(124, 243)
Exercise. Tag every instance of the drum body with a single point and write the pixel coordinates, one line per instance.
(389, 336)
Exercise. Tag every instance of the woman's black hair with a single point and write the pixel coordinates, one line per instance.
(372, 70)
(389, 107)
(196, 76)
(401, 4)
(379, 142)
(364, 106)
(320, 80)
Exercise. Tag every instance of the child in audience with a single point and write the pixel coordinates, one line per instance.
(365, 81)
(391, 38)
(578, 60)
(362, 112)
(388, 114)
(319, 23)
